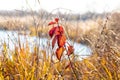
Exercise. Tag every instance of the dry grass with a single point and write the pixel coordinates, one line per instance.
(29, 23)
(103, 64)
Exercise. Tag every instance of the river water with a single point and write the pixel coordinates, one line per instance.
(11, 38)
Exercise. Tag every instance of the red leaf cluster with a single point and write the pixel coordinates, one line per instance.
(57, 33)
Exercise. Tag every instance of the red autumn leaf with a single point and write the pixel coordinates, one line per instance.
(59, 52)
(56, 19)
(56, 31)
(53, 41)
(51, 23)
(70, 50)
(52, 31)
(59, 30)
(61, 40)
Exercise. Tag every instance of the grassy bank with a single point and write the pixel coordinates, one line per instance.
(31, 23)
